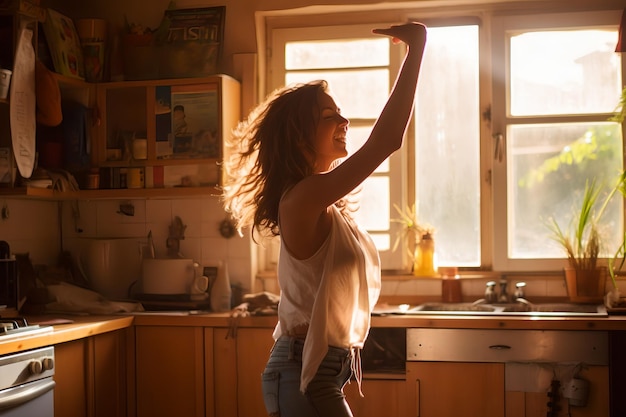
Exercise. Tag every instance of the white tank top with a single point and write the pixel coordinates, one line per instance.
(333, 291)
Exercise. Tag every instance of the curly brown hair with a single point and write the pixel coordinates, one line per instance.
(268, 153)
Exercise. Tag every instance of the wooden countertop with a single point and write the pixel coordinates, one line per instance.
(68, 328)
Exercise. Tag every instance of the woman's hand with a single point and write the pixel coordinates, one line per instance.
(410, 33)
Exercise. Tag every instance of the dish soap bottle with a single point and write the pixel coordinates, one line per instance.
(221, 293)
(425, 257)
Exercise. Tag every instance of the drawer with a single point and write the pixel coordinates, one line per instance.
(470, 345)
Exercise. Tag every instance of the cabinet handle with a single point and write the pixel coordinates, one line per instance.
(499, 347)
(417, 397)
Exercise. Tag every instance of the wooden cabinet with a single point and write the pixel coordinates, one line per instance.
(71, 364)
(504, 372)
(238, 364)
(196, 371)
(170, 130)
(90, 376)
(170, 371)
(383, 396)
(441, 389)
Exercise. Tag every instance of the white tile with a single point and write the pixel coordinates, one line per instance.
(428, 286)
(213, 251)
(556, 288)
(158, 211)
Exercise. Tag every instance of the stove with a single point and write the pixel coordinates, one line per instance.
(14, 327)
(27, 377)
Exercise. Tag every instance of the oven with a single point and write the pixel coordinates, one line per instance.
(26, 378)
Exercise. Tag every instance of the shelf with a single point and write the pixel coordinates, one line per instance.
(117, 194)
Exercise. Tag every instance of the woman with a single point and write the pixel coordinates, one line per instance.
(285, 181)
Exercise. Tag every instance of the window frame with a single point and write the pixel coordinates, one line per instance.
(488, 16)
(501, 117)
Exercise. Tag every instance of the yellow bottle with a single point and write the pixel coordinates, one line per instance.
(424, 265)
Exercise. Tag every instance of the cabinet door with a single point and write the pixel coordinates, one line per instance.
(382, 397)
(452, 389)
(90, 376)
(70, 375)
(238, 364)
(109, 373)
(169, 371)
(531, 404)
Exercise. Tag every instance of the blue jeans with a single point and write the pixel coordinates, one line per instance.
(324, 395)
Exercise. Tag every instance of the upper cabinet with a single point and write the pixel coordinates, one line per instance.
(121, 139)
(149, 139)
(164, 134)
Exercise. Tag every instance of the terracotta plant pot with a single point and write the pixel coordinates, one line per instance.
(586, 285)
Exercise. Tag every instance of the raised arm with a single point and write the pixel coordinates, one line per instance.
(305, 220)
(388, 132)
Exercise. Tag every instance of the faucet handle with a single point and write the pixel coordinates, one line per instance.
(490, 292)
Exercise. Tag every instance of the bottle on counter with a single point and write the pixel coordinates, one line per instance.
(221, 292)
(424, 265)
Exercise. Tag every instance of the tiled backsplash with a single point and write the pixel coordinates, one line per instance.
(33, 226)
(473, 289)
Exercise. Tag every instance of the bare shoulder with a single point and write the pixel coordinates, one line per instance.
(303, 226)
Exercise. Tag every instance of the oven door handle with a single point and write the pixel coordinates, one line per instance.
(19, 395)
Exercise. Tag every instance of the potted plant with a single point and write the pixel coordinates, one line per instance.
(582, 242)
(418, 239)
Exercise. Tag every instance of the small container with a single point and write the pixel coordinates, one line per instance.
(135, 177)
(93, 179)
(451, 291)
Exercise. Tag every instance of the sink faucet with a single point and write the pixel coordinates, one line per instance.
(504, 295)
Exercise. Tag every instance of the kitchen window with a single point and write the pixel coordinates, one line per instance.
(556, 82)
(499, 98)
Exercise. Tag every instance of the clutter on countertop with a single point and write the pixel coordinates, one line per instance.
(62, 289)
(69, 298)
(258, 304)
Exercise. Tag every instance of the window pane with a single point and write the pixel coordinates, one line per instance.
(360, 93)
(357, 137)
(564, 72)
(382, 241)
(548, 166)
(373, 213)
(447, 144)
(337, 54)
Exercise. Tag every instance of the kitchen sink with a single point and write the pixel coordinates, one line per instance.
(509, 309)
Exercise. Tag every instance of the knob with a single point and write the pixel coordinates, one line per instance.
(47, 363)
(35, 367)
